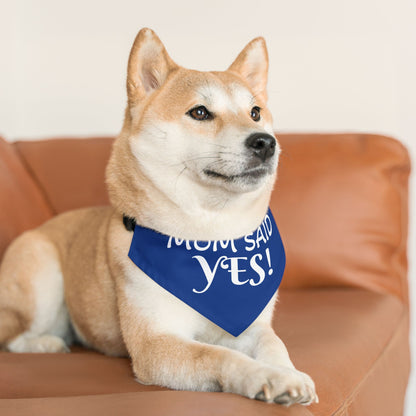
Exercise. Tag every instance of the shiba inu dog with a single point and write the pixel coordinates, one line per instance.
(196, 159)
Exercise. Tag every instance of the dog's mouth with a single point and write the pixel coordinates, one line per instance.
(250, 174)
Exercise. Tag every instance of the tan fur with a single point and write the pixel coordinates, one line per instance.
(72, 276)
(15, 315)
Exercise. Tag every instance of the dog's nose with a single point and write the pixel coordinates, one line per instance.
(262, 145)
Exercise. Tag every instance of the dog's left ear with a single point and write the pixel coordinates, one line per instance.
(252, 64)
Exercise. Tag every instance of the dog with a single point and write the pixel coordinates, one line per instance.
(196, 159)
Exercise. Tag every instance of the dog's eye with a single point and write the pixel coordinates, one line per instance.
(255, 113)
(200, 113)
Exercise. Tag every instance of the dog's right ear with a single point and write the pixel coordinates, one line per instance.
(148, 67)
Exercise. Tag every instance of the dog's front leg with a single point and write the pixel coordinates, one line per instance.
(176, 362)
(260, 342)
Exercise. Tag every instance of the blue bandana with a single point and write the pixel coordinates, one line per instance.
(229, 282)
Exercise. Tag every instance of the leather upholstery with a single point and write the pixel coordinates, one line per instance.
(22, 202)
(70, 172)
(341, 206)
(342, 210)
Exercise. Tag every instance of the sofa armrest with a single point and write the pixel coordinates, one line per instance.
(22, 204)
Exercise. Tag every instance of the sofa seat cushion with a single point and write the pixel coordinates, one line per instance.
(353, 343)
(340, 337)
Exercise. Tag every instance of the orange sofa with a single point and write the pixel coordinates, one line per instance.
(340, 202)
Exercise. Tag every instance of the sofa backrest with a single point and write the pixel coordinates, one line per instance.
(341, 206)
(69, 171)
(340, 202)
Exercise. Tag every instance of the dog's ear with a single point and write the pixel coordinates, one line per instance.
(148, 67)
(252, 64)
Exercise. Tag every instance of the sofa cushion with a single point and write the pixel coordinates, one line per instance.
(340, 337)
(70, 171)
(22, 204)
(345, 338)
(341, 206)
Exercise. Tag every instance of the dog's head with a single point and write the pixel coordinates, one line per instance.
(209, 129)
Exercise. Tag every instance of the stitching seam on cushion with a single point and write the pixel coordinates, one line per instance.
(349, 400)
(400, 177)
(35, 179)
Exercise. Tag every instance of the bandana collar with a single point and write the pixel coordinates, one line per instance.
(229, 282)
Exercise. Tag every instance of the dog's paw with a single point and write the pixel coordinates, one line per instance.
(281, 385)
(41, 344)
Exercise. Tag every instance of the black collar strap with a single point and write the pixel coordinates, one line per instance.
(129, 223)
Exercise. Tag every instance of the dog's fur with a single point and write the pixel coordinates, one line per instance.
(71, 277)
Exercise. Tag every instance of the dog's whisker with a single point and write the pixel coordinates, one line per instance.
(219, 145)
(208, 155)
(218, 165)
(231, 153)
(193, 159)
(179, 175)
(285, 154)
